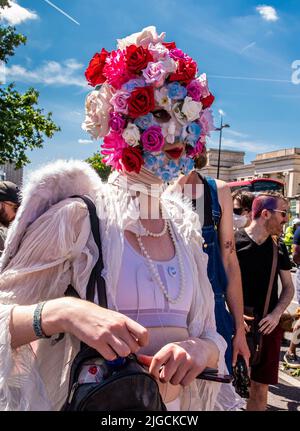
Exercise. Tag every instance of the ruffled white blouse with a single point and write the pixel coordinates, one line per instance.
(49, 246)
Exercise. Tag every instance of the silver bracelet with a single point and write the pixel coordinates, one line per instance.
(37, 321)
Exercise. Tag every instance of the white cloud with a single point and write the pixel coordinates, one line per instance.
(237, 134)
(242, 144)
(16, 14)
(51, 73)
(85, 141)
(268, 13)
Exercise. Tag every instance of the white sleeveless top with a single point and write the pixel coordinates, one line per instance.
(140, 298)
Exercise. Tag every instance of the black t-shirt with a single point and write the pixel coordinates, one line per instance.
(256, 264)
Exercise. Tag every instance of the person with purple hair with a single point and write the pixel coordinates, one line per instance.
(254, 247)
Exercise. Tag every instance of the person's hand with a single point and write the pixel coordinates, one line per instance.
(181, 362)
(247, 319)
(269, 323)
(111, 333)
(240, 347)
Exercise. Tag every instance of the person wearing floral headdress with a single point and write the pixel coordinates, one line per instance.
(148, 106)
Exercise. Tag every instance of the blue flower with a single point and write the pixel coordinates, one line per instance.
(145, 121)
(150, 160)
(133, 83)
(194, 129)
(191, 133)
(176, 91)
(186, 165)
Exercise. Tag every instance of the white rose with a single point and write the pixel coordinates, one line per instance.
(191, 109)
(143, 38)
(158, 51)
(131, 135)
(162, 99)
(97, 109)
(169, 65)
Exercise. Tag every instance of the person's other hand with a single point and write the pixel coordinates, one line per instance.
(181, 362)
(240, 347)
(269, 323)
(247, 319)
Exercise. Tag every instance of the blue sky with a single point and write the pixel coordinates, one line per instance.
(229, 39)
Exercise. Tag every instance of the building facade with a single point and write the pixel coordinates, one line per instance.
(8, 172)
(283, 165)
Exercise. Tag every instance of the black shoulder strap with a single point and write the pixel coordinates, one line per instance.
(96, 276)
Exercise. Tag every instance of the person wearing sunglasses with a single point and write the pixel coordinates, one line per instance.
(254, 247)
(242, 205)
(9, 203)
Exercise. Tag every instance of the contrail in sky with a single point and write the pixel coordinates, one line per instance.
(248, 46)
(61, 11)
(248, 78)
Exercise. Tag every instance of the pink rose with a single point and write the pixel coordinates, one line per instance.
(195, 90)
(155, 74)
(116, 122)
(119, 101)
(152, 139)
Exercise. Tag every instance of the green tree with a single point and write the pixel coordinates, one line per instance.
(23, 125)
(101, 168)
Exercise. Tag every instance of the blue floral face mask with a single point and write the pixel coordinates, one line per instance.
(164, 168)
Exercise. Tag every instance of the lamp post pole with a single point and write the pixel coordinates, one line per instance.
(220, 142)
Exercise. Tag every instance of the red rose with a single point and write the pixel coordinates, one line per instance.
(169, 45)
(137, 58)
(207, 101)
(94, 72)
(132, 159)
(141, 102)
(186, 71)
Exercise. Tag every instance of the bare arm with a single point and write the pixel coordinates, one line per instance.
(107, 331)
(234, 295)
(227, 245)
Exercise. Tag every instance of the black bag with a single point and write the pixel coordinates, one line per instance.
(99, 385)
(254, 337)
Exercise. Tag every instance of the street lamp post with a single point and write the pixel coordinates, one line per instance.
(220, 141)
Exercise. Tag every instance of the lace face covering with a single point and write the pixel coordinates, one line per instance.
(149, 106)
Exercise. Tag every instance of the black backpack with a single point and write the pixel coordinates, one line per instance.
(123, 384)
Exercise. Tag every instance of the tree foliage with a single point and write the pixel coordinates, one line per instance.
(23, 125)
(96, 161)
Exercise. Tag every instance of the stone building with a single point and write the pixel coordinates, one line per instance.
(282, 164)
(9, 172)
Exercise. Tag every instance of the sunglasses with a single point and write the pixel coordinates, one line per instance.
(239, 211)
(282, 212)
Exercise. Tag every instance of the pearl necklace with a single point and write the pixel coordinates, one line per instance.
(156, 235)
(154, 272)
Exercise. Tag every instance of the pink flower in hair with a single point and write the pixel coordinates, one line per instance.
(116, 70)
(112, 147)
(206, 122)
(119, 101)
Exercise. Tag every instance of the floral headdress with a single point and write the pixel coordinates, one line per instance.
(147, 94)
